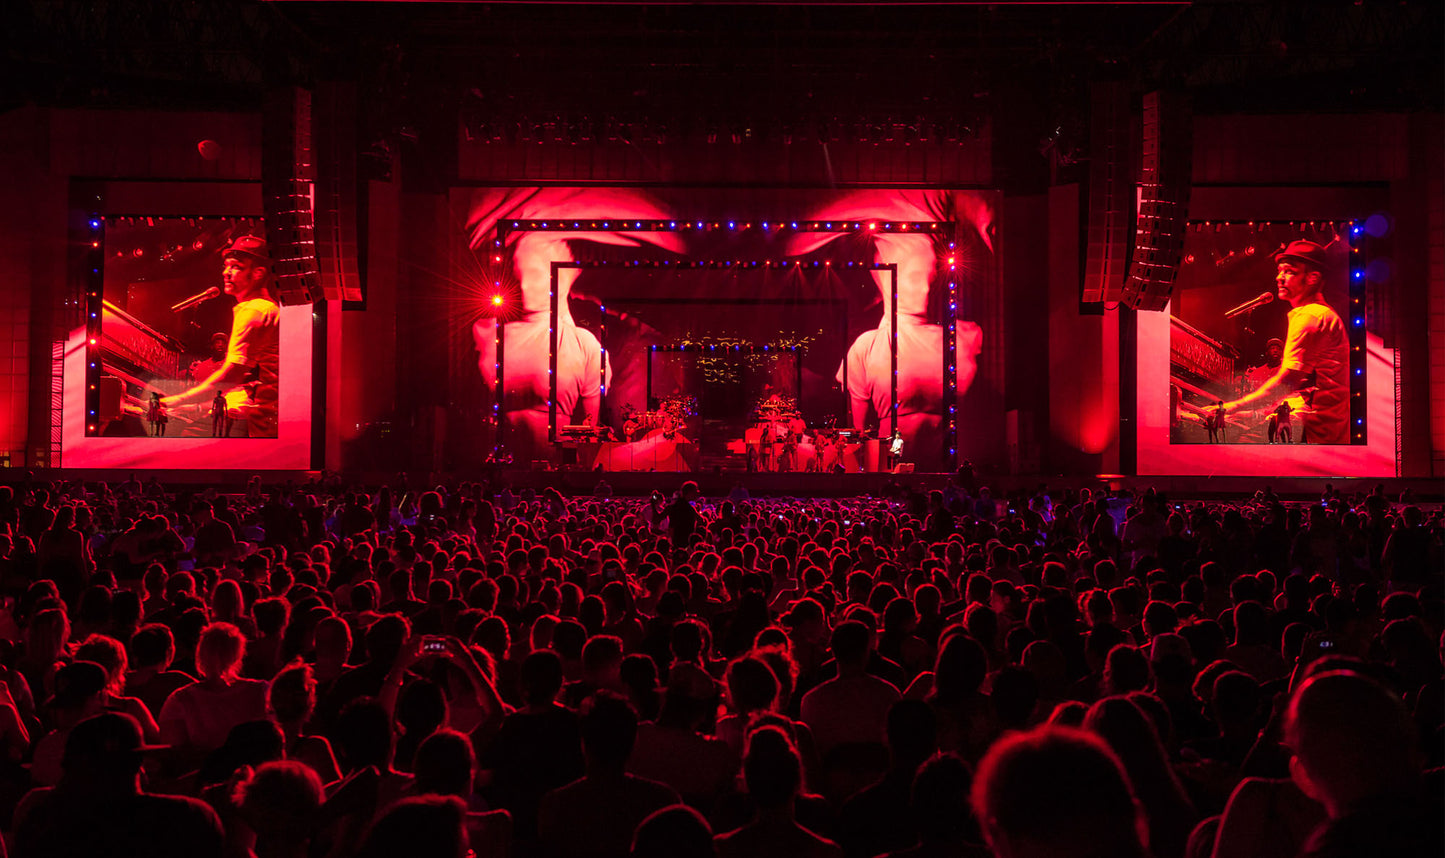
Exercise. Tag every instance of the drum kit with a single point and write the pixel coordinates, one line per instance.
(670, 416)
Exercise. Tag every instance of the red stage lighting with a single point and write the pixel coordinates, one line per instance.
(497, 300)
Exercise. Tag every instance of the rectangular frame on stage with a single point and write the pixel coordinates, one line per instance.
(949, 361)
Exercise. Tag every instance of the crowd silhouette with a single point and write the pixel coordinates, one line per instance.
(334, 669)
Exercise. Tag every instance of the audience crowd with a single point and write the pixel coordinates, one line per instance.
(335, 670)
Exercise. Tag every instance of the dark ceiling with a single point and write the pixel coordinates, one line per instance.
(687, 64)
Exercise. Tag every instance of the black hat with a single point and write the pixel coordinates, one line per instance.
(1308, 252)
(108, 740)
(249, 247)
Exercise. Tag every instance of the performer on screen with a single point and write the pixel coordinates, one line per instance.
(201, 370)
(157, 415)
(1277, 423)
(251, 370)
(1316, 349)
(1216, 423)
(219, 421)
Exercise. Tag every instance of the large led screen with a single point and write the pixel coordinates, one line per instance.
(722, 318)
(189, 361)
(1267, 361)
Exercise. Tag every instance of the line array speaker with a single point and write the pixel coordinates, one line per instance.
(1164, 186)
(288, 176)
(1111, 193)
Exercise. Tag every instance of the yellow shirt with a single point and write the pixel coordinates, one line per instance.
(256, 344)
(1317, 345)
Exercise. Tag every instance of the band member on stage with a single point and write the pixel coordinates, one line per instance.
(895, 450)
(1316, 349)
(789, 461)
(253, 351)
(765, 449)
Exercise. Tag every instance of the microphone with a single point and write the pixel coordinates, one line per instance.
(1251, 304)
(213, 292)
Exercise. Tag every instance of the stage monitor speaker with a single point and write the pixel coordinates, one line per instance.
(288, 177)
(1164, 185)
(336, 191)
(1111, 193)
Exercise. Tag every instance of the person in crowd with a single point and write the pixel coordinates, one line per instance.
(596, 815)
(196, 718)
(100, 808)
(773, 773)
(1355, 753)
(1060, 793)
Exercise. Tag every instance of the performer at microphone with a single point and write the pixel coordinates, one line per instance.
(253, 349)
(1316, 349)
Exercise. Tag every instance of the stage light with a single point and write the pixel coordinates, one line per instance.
(92, 340)
(497, 300)
(731, 224)
(1359, 370)
(95, 223)
(1358, 274)
(1359, 321)
(794, 225)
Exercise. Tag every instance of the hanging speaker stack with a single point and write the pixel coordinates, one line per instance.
(1164, 185)
(1111, 193)
(288, 176)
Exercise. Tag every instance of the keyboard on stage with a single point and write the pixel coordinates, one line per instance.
(1199, 364)
(583, 433)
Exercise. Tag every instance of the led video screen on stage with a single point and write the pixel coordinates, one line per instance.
(1267, 361)
(187, 360)
(756, 330)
